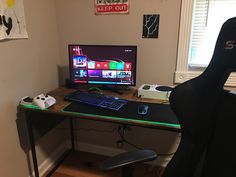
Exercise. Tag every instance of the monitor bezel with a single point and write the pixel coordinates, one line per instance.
(95, 45)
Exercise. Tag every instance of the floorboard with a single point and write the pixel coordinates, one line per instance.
(83, 164)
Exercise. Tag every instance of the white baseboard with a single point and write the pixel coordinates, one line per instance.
(96, 149)
(52, 159)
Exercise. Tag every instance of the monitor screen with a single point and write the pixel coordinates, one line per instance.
(103, 64)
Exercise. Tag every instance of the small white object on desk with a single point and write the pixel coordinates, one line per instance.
(44, 101)
(154, 91)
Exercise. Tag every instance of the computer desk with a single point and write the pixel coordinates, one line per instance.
(159, 116)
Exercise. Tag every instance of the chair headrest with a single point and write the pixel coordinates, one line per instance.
(224, 57)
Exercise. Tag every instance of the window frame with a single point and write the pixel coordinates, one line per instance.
(182, 72)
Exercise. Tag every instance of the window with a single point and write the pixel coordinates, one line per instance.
(200, 24)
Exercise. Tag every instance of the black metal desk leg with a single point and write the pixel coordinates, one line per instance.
(32, 146)
(72, 134)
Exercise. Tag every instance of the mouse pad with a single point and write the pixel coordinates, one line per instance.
(156, 112)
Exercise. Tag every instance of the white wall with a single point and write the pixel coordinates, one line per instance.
(77, 23)
(28, 67)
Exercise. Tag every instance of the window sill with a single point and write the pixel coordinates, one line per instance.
(183, 76)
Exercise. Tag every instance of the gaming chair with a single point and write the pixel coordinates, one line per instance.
(207, 115)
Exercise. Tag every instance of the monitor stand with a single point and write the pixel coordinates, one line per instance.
(115, 89)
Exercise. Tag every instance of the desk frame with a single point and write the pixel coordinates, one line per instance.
(56, 110)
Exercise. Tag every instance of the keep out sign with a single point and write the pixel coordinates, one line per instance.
(111, 7)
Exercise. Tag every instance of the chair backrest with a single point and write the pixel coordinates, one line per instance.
(202, 107)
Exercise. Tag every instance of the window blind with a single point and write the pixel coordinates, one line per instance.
(208, 17)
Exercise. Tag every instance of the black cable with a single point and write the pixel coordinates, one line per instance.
(91, 89)
(91, 129)
(121, 132)
(133, 145)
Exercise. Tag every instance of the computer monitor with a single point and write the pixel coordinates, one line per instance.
(102, 64)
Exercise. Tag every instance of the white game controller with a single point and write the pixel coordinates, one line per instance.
(44, 101)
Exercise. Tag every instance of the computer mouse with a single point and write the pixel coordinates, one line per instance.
(143, 109)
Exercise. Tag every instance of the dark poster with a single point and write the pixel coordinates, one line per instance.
(151, 26)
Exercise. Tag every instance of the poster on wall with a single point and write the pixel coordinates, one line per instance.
(12, 20)
(111, 7)
(151, 26)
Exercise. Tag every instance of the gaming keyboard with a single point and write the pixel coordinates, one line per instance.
(97, 99)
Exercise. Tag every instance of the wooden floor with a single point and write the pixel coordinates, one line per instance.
(83, 164)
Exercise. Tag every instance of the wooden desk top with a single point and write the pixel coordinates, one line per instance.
(131, 95)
